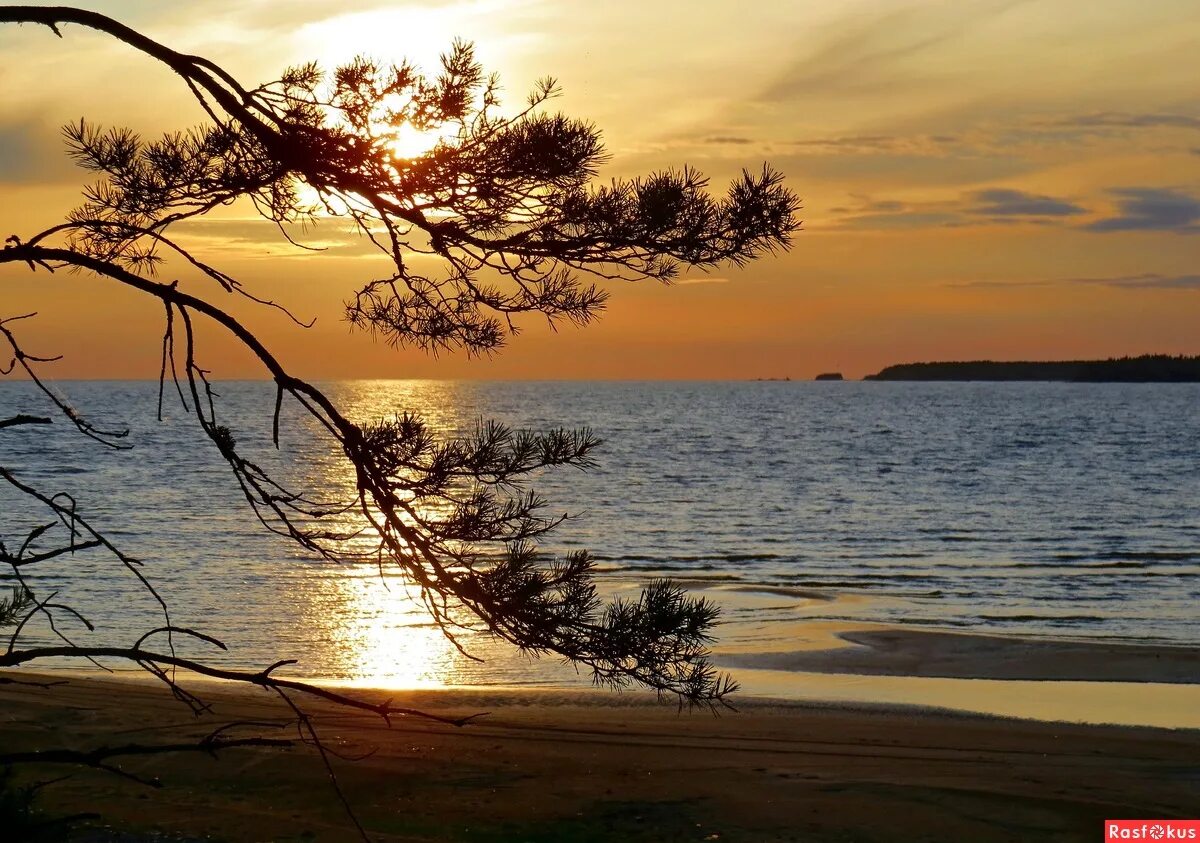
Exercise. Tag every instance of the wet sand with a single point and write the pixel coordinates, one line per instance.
(593, 766)
(929, 653)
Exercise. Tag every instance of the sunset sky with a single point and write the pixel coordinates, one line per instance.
(981, 179)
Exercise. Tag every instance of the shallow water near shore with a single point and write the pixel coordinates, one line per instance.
(1051, 511)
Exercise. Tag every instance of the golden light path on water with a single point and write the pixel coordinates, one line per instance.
(378, 631)
(386, 637)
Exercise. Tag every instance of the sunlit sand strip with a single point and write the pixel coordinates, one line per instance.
(823, 648)
(1169, 706)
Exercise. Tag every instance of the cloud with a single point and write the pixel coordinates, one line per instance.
(31, 152)
(262, 237)
(700, 279)
(979, 133)
(1145, 281)
(1126, 120)
(965, 158)
(728, 139)
(254, 230)
(880, 53)
(892, 215)
(875, 144)
(908, 219)
(993, 206)
(1068, 134)
(1151, 209)
(853, 143)
(1148, 280)
(1000, 202)
(900, 170)
(885, 206)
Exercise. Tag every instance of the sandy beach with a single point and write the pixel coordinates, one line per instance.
(553, 766)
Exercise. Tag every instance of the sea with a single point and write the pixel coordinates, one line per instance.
(1049, 510)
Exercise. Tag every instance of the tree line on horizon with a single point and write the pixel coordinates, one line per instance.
(1146, 368)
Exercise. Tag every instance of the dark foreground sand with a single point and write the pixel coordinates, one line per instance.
(591, 767)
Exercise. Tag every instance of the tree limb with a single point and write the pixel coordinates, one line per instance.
(21, 418)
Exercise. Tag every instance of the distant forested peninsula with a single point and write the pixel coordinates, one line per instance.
(1148, 368)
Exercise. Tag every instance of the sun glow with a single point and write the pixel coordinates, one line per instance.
(416, 33)
(388, 639)
(381, 633)
(408, 142)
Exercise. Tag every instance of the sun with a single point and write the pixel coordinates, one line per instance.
(407, 142)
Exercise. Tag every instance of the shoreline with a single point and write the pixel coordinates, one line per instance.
(839, 664)
(901, 670)
(592, 765)
(1069, 680)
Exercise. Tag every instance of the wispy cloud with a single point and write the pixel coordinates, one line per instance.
(1144, 281)
(875, 144)
(884, 206)
(1151, 209)
(31, 152)
(852, 143)
(1004, 206)
(1128, 120)
(1148, 280)
(263, 237)
(1000, 202)
(909, 219)
(981, 137)
(700, 279)
(878, 53)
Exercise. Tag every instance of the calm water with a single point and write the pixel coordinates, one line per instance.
(1046, 509)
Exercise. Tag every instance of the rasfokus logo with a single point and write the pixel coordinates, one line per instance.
(1151, 830)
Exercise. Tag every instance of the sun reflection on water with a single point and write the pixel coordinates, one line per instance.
(368, 620)
(383, 635)
(379, 631)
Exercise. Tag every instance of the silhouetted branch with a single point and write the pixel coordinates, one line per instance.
(99, 757)
(261, 678)
(8, 680)
(309, 734)
(21, 418)
(25, 361)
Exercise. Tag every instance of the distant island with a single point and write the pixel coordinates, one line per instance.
(1148, 368)
(830, 376)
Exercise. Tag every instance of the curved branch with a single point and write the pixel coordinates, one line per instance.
(261, 678)
(25, 360)
(99, 757)
(21, 418)
(193, 69)
(171, 294)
